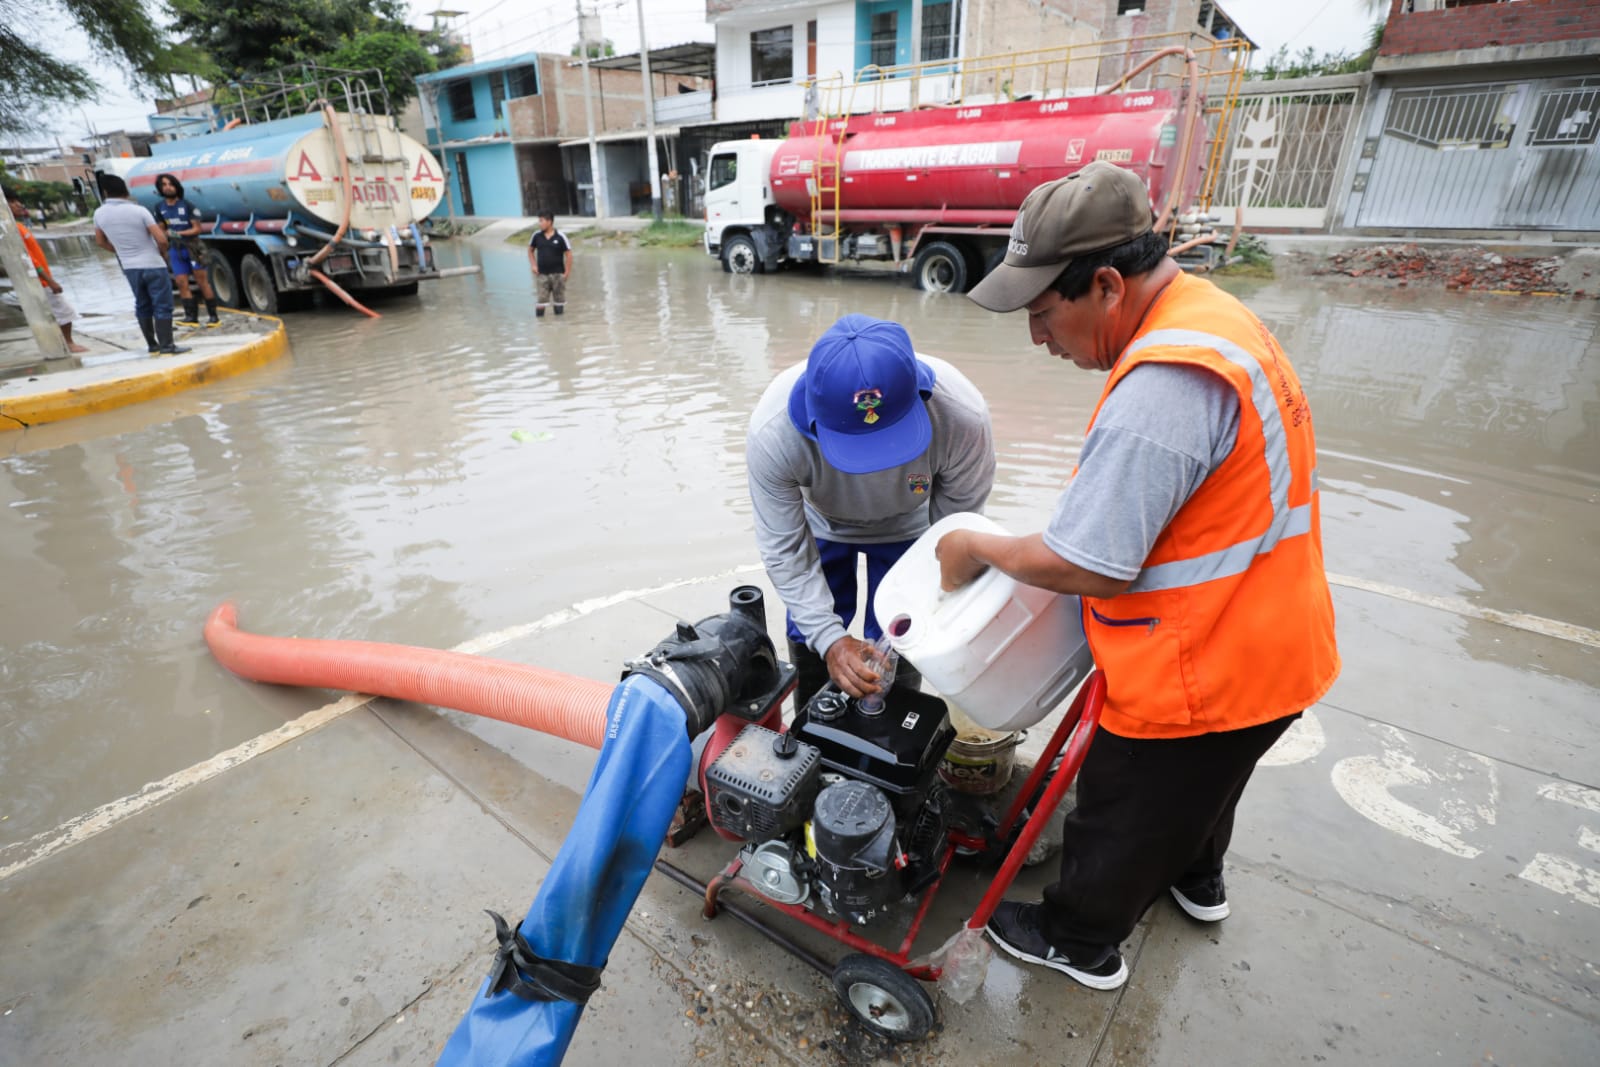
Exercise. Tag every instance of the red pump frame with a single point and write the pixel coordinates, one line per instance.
(1085, 710)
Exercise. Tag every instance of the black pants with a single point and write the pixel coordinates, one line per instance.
(1150, 815)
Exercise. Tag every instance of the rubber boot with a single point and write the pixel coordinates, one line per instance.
(191, 313)
(164, 336)
(211, 310)
(561, 309)
(811, 672)
(148, 328)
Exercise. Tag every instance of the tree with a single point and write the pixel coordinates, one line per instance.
(244, 40)
(399, 56)
(120, 31)
(1309, 63)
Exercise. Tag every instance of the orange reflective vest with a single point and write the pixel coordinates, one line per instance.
(1230, 621)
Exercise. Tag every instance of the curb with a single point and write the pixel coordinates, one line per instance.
(36, 409)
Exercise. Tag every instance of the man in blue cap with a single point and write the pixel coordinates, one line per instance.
(853, 453)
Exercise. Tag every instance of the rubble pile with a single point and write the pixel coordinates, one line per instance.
(1465, 267)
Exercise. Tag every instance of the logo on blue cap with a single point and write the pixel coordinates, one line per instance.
(862, 395)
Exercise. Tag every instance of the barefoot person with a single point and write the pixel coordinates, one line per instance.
(52, 289)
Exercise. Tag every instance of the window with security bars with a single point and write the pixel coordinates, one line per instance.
(938, 36)
(462, 107)
(524, 81)
(885, 35)
(1478, 116)
(1567, 115)
(497, 94)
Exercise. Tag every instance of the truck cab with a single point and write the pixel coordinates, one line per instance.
(745, 228)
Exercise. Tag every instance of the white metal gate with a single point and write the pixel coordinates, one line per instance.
(1506, 155)
(1284, 157)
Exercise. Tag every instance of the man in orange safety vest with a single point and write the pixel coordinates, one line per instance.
(1191, 529)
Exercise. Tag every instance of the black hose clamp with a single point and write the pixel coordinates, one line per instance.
(520, 970)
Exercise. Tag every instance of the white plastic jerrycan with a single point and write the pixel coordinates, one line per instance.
(1004, 652)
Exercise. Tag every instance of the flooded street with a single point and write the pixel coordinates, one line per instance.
(459, 467)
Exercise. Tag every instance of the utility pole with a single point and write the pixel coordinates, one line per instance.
(595, 174)
(30, 294)
(650, 118)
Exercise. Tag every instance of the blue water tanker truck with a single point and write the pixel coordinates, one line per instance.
(325, 199)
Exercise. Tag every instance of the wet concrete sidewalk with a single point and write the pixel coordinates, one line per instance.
(315, 896)
(118, 371)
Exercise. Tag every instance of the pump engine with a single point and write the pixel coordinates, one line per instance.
(845, 808)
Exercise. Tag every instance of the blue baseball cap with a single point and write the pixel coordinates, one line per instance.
(861, 396)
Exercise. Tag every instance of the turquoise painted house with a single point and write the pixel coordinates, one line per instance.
(470, 130)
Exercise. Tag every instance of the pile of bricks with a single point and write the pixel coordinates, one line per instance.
(1465, 267)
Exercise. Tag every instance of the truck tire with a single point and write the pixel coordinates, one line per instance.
(739, 256)
(995, 257)
(224, 281)
(940, 268)
(255, 282)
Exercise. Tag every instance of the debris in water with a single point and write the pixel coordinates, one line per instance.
(523, 436)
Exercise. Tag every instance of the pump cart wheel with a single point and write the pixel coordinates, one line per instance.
(255, 278)
(739, 256)
(941, 268)
(885, 999)
(224, 282)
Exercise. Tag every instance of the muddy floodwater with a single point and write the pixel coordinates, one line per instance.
(459, 466)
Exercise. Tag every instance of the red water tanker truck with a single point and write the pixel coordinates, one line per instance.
(935, 191)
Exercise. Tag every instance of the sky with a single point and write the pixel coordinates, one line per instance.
(499, 28)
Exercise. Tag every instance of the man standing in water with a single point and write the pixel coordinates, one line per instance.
(550, 254)
(185, 255)
(130, 233)
(854, 453)
(1191, 528)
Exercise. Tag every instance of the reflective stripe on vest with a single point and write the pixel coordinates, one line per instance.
(1286, 521)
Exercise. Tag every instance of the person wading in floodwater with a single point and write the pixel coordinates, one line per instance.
(550, 254)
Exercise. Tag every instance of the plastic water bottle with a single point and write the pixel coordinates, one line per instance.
(883, 659)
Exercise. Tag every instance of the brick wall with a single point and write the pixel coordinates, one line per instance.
(1488, 25)
(558, 110)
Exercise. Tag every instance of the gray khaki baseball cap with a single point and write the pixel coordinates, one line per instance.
(1096, 208)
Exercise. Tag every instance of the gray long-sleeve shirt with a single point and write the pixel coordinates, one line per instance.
(798, 497)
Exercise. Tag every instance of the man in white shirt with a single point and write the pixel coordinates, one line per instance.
(130, 233)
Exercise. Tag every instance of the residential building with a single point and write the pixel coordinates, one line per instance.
(769, 51)
(1483, 116)
(513, 134)
(71, 166)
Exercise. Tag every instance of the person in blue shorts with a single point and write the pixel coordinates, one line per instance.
(185, 255)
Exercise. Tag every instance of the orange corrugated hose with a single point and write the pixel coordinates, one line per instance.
(551, 702)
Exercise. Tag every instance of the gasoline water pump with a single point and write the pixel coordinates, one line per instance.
(845, 809)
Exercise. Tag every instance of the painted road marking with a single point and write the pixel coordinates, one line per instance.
(1471, 793)
(1558, 873)
(1562, 631)
(1302, 741)
(92, 823)
(1362, 781)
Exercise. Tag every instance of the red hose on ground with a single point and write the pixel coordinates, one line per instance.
(551, 702)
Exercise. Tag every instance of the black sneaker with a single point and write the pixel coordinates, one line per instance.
(175, 350)
(1206, 901)
(1015, 928)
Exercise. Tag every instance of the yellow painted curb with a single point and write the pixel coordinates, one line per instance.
(39, 408)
